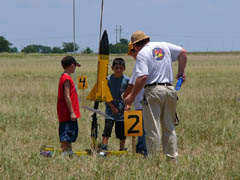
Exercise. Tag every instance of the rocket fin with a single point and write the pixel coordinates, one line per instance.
(108, 94)
(92, 95)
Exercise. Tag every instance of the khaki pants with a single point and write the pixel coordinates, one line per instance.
(159, 118)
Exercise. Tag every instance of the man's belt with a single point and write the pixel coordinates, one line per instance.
(158, 84)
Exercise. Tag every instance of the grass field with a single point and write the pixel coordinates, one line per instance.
(208, 134)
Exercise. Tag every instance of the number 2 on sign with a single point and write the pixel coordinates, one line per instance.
(133, 123)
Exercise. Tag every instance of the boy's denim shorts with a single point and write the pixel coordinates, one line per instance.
(68, 131)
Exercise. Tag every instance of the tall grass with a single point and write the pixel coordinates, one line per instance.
(208, 134)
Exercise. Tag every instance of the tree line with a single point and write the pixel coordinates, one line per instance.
(67, 47)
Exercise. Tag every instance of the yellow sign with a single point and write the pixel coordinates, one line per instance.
(82, 82)
(133, 123)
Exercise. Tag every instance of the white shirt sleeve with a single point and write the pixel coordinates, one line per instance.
(174, 50)
(133, 76)
(141, 65)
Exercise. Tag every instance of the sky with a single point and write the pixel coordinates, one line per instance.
(196, 25)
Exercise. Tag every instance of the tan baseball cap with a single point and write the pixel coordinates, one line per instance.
(130, 47)
(138, 36)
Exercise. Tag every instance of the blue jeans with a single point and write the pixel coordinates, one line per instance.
(141, 145)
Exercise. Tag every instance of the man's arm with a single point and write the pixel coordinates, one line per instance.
(68, 99)
(182, 62)
(139, 84)
(128, 90)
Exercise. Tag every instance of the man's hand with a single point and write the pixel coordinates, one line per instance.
(181, 74)
(127, 108)
(128, 101)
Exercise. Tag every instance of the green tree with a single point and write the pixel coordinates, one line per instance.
(13, 50)
(4, 45)
(69, 47)
(124, 41)
(120, 47)
(45, 49)
(30, 49)
(87, 51)
(57, 50)
(37, 49)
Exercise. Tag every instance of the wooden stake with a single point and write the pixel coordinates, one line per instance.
(83, 104)
(134, 144)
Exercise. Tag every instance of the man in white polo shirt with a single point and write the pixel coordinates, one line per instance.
(154, 73)
(141, 145)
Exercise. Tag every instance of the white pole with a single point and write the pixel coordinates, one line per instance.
(74, 26)
(74, 75)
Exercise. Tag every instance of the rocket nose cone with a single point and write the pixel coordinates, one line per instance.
(104, 33)
(104, 44)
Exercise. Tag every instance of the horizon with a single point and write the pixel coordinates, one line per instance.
(204, 26)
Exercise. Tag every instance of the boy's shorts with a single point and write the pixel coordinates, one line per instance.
(68, 131)
(119, 129)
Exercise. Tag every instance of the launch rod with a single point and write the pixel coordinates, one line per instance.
(94, 126)
(100, 34)
(96, 111)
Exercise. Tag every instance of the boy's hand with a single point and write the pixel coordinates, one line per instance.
(73, 116)
(114, 110)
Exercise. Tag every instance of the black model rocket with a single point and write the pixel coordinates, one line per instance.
(100, 91)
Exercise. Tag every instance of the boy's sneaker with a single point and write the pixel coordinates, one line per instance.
(67, 154)
(104, 147)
